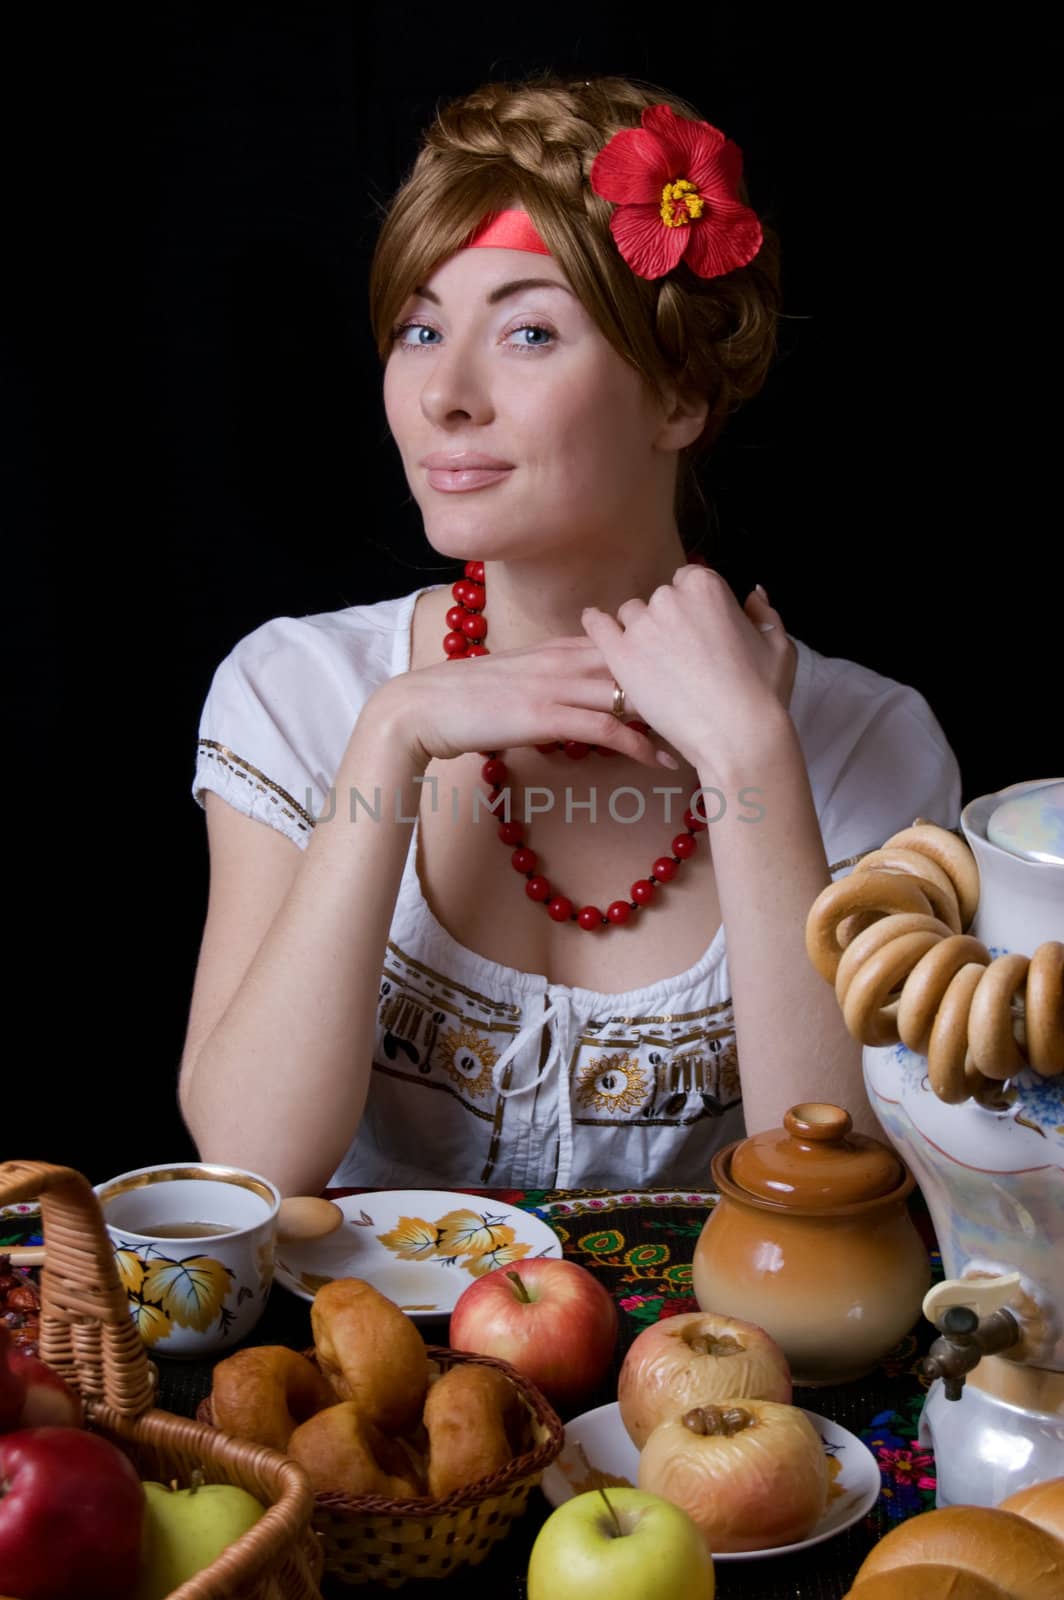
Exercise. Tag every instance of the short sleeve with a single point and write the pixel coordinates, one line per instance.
(282, 706)
(246, 755)
(877, 758)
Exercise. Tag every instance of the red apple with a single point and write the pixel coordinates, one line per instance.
(697, 1358)
(12, 1387)
(49, 1399)
(71, 1513)
(548, 1318)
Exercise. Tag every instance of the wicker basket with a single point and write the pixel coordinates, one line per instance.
(88, 1336)
(371, 1539)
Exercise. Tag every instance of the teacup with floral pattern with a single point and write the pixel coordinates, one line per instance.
(194, 1246)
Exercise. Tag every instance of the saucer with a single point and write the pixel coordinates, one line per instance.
(614, 1460)
(420, 1247)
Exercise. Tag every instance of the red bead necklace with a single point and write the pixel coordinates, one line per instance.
(469, 629)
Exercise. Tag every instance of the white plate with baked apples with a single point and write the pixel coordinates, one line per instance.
(419, 1247)
(598, 1453)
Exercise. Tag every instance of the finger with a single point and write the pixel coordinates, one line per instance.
(763, 616)
(600, 627)
(603, 729)
(599, 696)
(629, 611)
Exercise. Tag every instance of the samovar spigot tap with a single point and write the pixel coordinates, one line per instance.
(964, 1341)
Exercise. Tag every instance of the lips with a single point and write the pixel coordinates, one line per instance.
(461, 471)
(459, 460)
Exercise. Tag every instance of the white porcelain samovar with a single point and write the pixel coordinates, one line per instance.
(992, 1174)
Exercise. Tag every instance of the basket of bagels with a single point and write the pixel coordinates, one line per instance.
(420, 1457)
(103, 1496)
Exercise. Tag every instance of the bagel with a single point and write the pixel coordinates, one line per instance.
(1044, 1019)
(990, 1037)
(869, 1011)
(881, 892)
(935, 884)
(949, 852)
(873, 938)
(262, 1394)
(371, 1353)
(343, 1452)
(947, 1050)
(988, 1092)
(470, 1416)
(889, 937)
(927, 984)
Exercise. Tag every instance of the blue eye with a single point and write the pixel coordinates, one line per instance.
(420, 328)
(533, 327)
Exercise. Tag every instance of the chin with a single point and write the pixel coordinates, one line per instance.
(466, 540)
(459, 544)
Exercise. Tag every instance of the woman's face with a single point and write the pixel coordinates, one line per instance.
(518, 424)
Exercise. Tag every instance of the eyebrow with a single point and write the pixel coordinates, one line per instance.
(504, 290)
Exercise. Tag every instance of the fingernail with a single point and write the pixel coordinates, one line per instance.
(668, 761)
(761, 591)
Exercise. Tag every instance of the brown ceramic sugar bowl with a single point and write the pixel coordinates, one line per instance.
(811, 1238)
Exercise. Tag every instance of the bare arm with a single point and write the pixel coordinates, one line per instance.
(277, 1060)
(717, 682)
(793, 1044)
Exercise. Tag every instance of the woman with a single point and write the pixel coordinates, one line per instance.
(397, 987)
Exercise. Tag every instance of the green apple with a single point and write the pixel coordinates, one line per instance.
(629, 1545)
(185, 1529)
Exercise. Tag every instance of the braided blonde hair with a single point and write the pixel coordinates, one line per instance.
(533, 144)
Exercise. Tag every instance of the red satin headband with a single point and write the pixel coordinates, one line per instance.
(507, 230)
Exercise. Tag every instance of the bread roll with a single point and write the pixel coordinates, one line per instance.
(469, 1415)
(922, 1581)
(371, 1353)
(1040, 1502)
(343, 1452)
(263, 1393)
(1019, 1556)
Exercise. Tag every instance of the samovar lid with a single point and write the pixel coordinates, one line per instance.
(1031, 824)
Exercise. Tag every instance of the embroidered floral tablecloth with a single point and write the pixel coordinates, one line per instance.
(640, 1245)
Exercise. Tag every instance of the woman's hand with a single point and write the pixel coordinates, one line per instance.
(557, 689)
(708, 675)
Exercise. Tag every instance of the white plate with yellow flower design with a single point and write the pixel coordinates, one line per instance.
(420, 1247)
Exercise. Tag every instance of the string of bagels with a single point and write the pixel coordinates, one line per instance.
(892, 939)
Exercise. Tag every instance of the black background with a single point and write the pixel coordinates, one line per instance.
(193, 438)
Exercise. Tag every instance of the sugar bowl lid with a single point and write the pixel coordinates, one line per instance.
(815, 1162)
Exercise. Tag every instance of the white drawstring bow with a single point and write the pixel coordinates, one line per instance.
(558, 1055)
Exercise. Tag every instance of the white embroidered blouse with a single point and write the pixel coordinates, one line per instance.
(635, 1089)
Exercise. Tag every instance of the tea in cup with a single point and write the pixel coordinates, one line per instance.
(194, 1247)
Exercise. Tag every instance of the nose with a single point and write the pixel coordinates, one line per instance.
(456, 390)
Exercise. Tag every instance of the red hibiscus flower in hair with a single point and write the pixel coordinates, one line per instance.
(674, 184)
